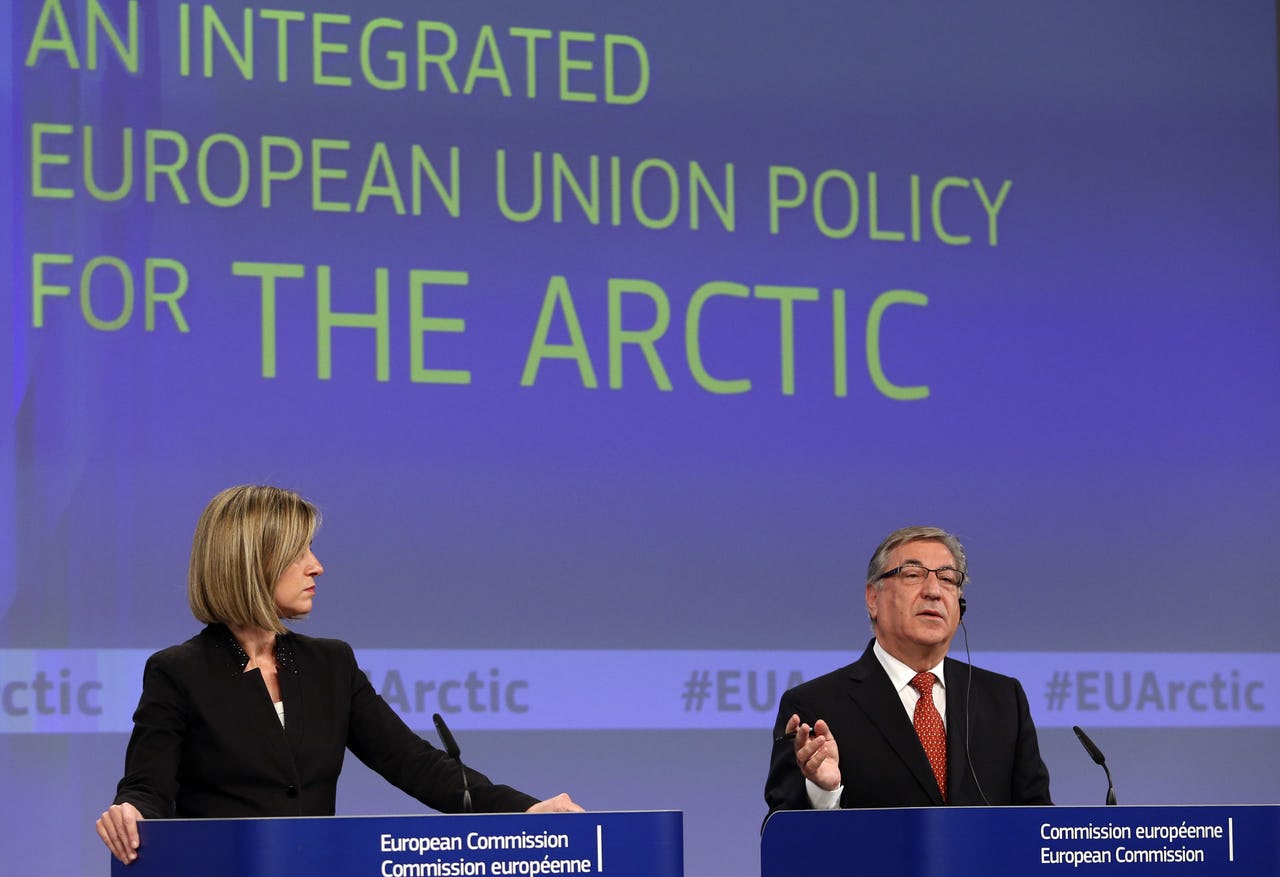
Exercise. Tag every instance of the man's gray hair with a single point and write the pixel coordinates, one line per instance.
(880, 559)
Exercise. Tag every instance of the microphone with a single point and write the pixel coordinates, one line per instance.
(1098, 758)
(451, 747)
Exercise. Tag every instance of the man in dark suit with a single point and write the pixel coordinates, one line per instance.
(905, 726)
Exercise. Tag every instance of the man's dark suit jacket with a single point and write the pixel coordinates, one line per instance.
(207, 741)
(882, 762)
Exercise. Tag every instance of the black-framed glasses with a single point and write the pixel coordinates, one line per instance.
(915, 574)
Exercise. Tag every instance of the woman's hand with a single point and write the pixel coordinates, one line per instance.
(561, 803)
(118, 828)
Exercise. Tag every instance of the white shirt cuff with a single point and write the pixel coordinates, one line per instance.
(820, 798)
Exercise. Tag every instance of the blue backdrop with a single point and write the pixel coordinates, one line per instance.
(612, 339)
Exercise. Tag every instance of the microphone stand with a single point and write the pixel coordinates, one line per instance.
(1096, 754)
(451, 747)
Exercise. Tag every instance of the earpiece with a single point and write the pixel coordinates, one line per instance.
(963, 605)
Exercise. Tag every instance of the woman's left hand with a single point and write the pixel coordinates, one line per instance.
(561, 803)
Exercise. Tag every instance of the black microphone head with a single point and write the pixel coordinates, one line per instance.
(1094, 752)
(450, 744)
(451, 747)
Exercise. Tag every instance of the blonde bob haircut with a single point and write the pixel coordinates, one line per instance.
(245, 539)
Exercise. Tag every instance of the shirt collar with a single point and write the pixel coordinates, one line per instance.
(899, 673)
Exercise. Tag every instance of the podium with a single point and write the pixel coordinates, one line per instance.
(640, 844)
(1026, 841)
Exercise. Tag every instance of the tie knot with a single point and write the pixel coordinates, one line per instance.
(923, 683)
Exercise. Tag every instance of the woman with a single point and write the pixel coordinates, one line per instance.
(248, 718)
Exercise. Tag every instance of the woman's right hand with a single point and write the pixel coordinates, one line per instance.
(118, 828)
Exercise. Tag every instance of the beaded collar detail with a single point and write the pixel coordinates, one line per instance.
(284, 651)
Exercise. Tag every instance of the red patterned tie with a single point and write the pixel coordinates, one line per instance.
(933, 736)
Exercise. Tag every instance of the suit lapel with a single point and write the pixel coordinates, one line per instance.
(874, 695)
(248, 704)
(958, 724)
(291, 692)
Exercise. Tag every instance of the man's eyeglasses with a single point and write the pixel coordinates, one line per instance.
(913, 574)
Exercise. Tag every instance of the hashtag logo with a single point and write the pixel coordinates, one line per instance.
(1058, 689)
(696, 690)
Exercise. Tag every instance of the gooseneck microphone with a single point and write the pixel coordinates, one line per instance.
(1098, 758)
(451, 747)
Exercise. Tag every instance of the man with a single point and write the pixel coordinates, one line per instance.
(857, 737)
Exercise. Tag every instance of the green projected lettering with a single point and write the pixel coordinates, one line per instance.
(693, 337)
(391, 54)
(834, 204)
(328, 319)
(420, 324)
(53, 36)
(641, 338)
(108, 290)
(374, 318)
(574, 173)
(639, 315)
(652, 192)
(558, 299)
(874, 364)
(225, 170)
(643, 326)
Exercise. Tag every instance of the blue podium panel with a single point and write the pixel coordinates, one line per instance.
(1026, 841)
(649, 844)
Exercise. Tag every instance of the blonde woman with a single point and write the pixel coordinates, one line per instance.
(248, 718)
